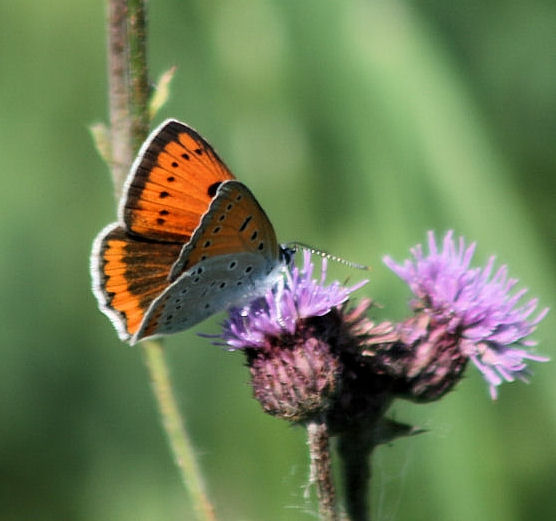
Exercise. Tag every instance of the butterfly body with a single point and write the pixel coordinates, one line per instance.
(190, 241)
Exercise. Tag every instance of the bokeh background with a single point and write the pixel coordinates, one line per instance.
(359, 125)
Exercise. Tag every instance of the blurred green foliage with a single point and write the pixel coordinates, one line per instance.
(359, 125)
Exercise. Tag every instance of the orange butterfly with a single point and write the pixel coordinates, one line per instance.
(190, 240)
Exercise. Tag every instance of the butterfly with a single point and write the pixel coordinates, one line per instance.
(190, 240)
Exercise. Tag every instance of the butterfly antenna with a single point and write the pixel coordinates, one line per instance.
(295, 246)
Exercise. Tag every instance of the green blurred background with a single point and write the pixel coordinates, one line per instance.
(359, 125)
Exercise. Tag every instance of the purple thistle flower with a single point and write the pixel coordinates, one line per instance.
(278, 313)
(474, 306)
(293, 338)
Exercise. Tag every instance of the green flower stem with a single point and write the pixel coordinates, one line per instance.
(174, 426)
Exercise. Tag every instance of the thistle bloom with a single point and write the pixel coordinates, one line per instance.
(474, 306)
(293, 338)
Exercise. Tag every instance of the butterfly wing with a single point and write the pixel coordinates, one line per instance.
(232, 257)
(180, 192)
(209, 287)
(128, 274)
(171, 184)
(235, 222)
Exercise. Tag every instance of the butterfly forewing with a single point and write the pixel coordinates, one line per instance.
(235, 222)
(171, 184)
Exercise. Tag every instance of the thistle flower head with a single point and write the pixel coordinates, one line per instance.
(476, 306)
(291, 337)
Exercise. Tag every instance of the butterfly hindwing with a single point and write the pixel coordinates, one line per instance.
(171, 184)
(235, 222)
(208, 287)
(128, 274)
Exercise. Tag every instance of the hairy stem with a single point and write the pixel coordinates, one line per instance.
(321, 469)
(139, 80)
(121, 153)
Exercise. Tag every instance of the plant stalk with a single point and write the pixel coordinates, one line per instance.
(355, 448)
(321, 469)
(139, 80)
(121, 152)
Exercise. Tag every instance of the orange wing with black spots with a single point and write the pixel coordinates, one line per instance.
(235, 222)
(128, 274)
(171, 184)
(190, 240)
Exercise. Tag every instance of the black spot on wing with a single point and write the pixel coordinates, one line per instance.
(212, 188)
(245, 223)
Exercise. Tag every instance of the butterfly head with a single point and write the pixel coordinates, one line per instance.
(287, 255)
